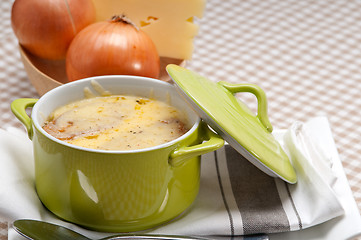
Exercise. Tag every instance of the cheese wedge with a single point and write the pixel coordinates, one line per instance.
(170, 23)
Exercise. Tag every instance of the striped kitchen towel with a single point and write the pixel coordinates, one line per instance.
(235, 198)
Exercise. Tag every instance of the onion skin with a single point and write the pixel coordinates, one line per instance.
(113, 47)
(46, 27)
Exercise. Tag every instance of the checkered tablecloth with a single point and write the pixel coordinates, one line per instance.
(305, 54)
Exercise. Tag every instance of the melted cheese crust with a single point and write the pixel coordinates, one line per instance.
(116, 123)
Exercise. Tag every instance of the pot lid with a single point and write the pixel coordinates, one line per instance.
(249, 134)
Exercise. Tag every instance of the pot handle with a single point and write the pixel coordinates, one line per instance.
(261, 99)
(211, 142)
(18, 107)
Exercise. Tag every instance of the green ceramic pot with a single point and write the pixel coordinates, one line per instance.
(116, 191)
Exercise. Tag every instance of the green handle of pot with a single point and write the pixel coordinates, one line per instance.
(18, 107)
(211, 142)
(262, 114)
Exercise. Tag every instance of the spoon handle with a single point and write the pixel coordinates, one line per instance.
(178, 237)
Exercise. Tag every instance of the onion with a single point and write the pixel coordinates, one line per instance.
(46, 27)
(115, 47)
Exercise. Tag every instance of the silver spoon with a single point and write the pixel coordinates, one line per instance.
(39, 230)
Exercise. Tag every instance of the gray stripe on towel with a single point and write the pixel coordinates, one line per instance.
(231, 226)
(256, 196)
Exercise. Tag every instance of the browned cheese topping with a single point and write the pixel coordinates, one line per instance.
(116, 123)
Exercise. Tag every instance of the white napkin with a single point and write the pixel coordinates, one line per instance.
(235, 198)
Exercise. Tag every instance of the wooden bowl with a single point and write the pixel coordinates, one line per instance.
(45, 74)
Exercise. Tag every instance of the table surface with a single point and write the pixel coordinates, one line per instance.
(306, 55)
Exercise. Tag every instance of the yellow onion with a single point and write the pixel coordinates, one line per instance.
(115, 47)
(46, 27)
